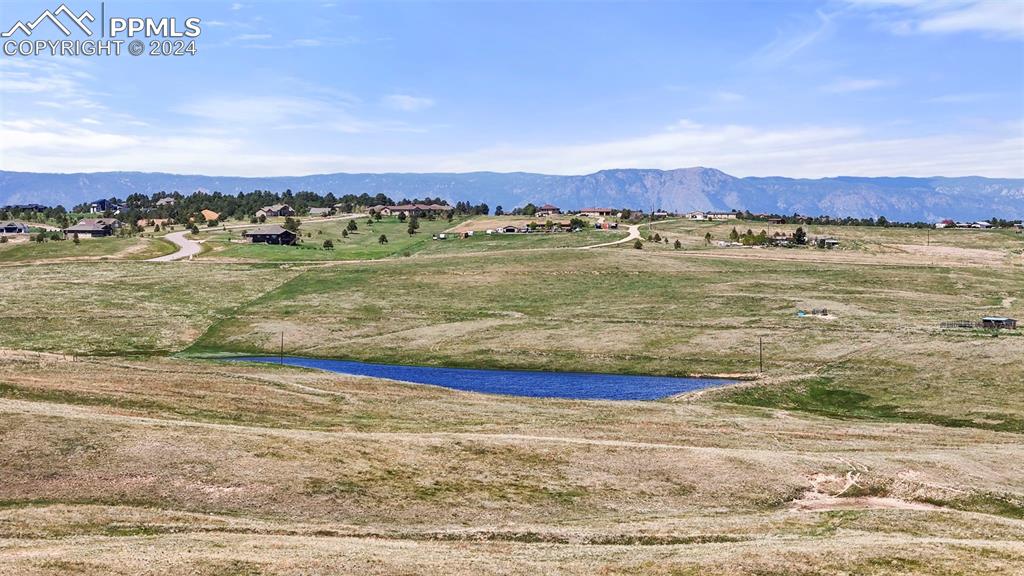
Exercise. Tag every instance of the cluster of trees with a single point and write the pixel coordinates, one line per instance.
(244, 205)
(762, 238)
(55, 214)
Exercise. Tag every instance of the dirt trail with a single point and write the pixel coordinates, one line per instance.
(634, 233)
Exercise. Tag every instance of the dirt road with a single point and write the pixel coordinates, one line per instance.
(634, 233)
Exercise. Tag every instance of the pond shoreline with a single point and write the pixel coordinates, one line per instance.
(522, 383)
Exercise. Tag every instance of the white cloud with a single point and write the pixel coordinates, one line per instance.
(994, 18)
(729, 97)
(799, 151)
(961, 98)
(406, 103)
(846, 85)
(237, 6)
(251, 37)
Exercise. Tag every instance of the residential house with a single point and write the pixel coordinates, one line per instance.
(696, 215)
(169, 201)
(275, 210)
(321, 212)
(13, 228)
(270, 235)
(100, 206)
(414, 209)
(596, 212)
(548, 210)
(720, 215)
(209, 215)
(661, 214)
(95, 227)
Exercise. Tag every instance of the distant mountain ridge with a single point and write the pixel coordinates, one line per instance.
(685, 189)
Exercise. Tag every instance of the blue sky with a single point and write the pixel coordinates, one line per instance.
(801, 89)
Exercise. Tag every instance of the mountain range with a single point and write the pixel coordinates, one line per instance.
(896, 198)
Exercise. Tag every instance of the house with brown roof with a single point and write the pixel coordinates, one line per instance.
(275, 210)
(548, 210)
(209, 215)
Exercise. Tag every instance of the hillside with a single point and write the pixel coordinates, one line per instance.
(906, 199)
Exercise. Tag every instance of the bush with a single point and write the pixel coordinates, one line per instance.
(328, 244)
(638, 244)
(678, 245)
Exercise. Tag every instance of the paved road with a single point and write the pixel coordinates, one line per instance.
(188, 248)
(634, 233)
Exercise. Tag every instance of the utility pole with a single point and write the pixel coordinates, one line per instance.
(760, 355)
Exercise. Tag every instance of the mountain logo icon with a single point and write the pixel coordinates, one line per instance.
(78, 20)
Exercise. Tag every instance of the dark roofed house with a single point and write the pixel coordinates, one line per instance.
(102, 205)
(96, 227)
(998, 322)
(270, 235)
(13, 228)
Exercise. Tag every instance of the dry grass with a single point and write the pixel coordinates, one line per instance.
(878, 444)
(209, 464)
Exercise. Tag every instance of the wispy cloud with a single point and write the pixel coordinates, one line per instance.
(725, 96)
(992, 18)
(794, 39)
(961, 98)
(406, 102)
(847, 85)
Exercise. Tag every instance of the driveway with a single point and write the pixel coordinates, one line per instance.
(188, 248)
(634, 233)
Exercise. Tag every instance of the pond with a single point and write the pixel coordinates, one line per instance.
(575, 385)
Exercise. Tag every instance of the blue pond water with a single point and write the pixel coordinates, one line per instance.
(576, 385)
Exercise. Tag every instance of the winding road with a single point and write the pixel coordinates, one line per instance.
(188, 247)
(634, 233)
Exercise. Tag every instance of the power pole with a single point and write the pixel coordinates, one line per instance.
(760, 355)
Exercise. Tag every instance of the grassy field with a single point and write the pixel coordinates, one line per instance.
(87, 249)
(875, 443)
(361, 244)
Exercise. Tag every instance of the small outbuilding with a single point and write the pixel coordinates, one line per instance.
(999, 322)
(270, 235)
